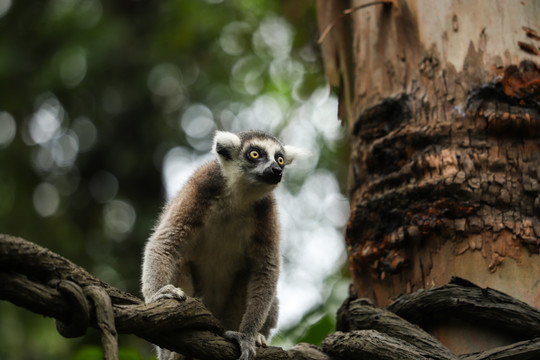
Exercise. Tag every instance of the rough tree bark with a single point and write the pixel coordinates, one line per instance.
(444, 127)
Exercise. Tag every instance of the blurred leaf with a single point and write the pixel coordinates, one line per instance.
(128, 354)
(92, 352)
(89, 352)
(318, 331)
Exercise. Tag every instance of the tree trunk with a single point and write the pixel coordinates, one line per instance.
(444, 128)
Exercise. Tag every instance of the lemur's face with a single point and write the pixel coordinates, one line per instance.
(253, 157)
(263, 160)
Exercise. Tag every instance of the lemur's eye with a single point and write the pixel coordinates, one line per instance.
(254, 154)
(280, 160)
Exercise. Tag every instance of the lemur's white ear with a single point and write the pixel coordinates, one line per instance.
(226, 144)
(293, 153)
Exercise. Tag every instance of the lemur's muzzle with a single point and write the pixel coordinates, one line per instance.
(272, 174)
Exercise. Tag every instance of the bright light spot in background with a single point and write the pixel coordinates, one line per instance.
(313, 243)
(264, 114)
(8, 128)
(46, 122)
(272, 44)
(286, 72)
(42, 159)
(267, 112)
(73, 66)
(65, 149)
(198, 124)
(87, 12)
(86, 133)
(231, 37)
(178, 166)
(315, 118)
(58, 145)
(326, 109)
(90, 13)
(247, 75)
(274, 37)
(119, 217)
(55, 148)
(46, 199)
(5, 5)
(165, 81)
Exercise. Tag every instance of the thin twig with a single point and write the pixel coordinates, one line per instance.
(348, 12)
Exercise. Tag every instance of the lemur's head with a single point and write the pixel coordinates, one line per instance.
(253, 156)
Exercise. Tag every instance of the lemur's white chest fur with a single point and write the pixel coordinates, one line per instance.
(223, 244)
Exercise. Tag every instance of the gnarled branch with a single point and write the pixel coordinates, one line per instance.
(33, 277)
(46, 283)
(465, 300)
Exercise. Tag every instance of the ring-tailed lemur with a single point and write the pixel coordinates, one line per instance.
(218, 239)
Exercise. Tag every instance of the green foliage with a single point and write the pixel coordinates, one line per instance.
(89, 352)
(94, 102)
(92, 352)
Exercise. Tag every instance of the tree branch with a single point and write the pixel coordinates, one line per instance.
(524, 350)
(46, 283)
(360, 314)
(32, 277)
(469, 302)
(369, 344)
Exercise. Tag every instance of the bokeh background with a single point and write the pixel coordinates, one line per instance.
(107, 107)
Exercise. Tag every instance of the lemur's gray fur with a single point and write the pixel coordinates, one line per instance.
(218, 239)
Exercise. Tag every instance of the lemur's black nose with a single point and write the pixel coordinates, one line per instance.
(272, 174)
(276, 169)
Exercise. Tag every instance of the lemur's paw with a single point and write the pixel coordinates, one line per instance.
(246, 342)
(260, 340)
(168, 292)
